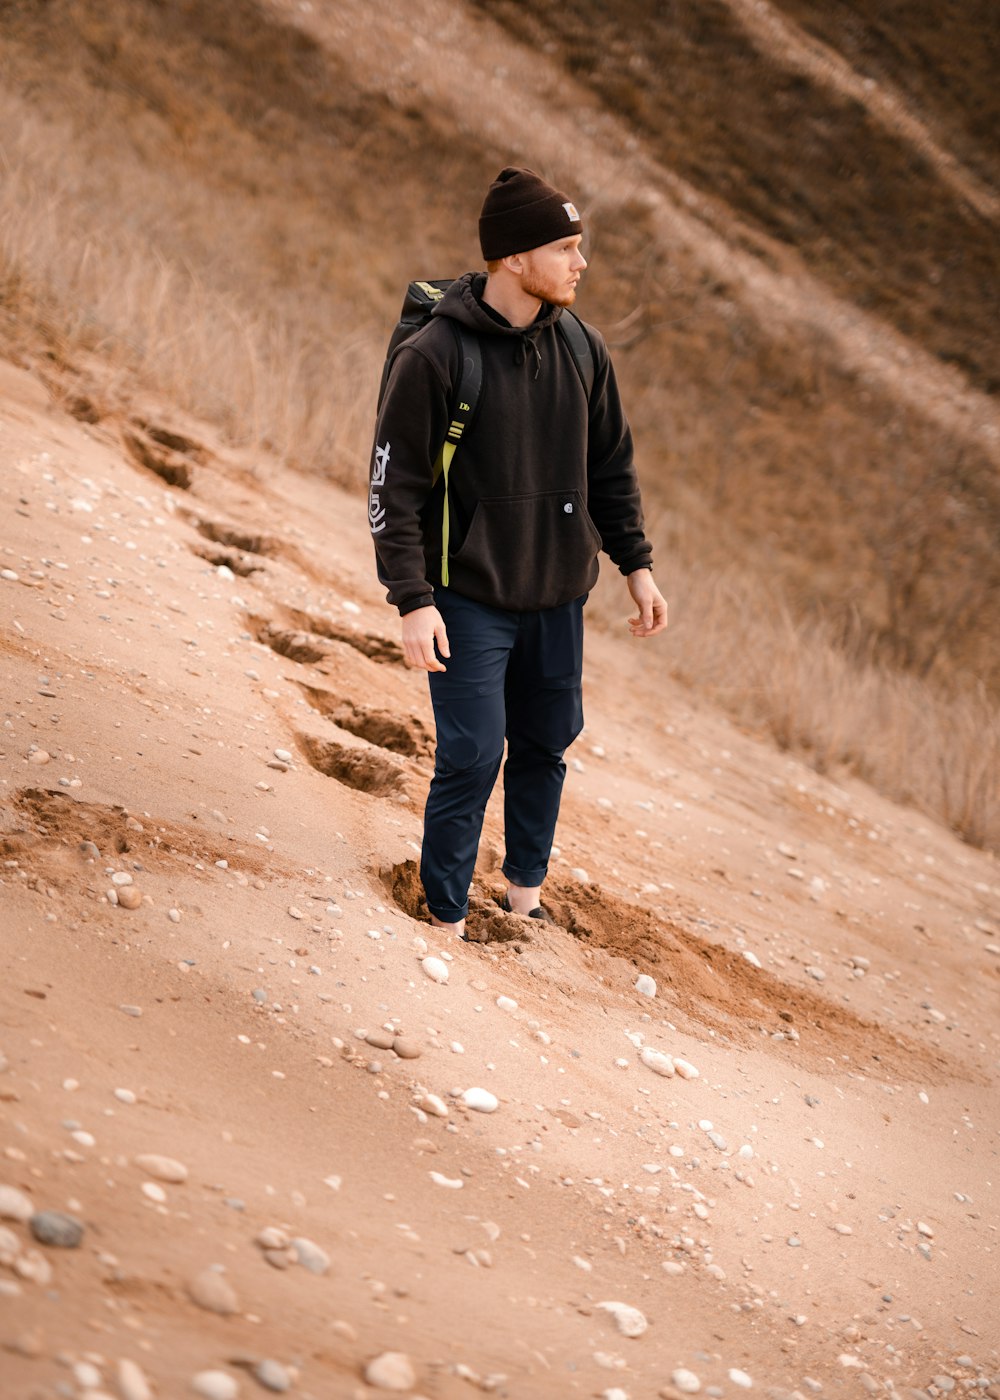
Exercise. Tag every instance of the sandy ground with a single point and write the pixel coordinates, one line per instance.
(202, 692)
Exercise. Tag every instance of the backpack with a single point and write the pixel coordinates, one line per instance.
(418, 306)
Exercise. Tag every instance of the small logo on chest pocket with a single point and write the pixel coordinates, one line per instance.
(568, 508)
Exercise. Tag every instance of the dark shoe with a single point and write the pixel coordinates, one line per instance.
(538, 913)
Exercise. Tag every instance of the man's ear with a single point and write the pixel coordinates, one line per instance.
(514, 263)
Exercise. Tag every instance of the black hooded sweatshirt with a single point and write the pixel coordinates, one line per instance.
(540, 483)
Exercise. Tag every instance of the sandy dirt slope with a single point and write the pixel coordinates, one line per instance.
(201, 690)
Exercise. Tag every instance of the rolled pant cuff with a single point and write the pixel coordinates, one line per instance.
(528, 879)
(449, 914)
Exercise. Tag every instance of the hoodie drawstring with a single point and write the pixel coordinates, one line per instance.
(526, 343)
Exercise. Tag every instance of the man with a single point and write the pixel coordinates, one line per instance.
(490, 567)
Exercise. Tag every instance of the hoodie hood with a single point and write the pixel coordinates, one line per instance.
(462, 303)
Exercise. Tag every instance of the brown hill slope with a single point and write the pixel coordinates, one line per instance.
(242, 190)
(791, 143)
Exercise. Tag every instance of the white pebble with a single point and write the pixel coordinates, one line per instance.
(162, 1168)
(434, 1105)
(310, 1256)
(454, 1183)
(506, 1003)
(393, 1370)
(215, 1385)
(685, 1069)
(213, 1293)
(580, 874)
(685, 1381)
(754, 961)
(15, 1205)
(132, 1381)
(657, 1061)
(629, 1321)
(283, 756)
(740, 1378)
(645, 985)
(153, 1192)
(435, 969)
(125, 1096)
(481, 1100)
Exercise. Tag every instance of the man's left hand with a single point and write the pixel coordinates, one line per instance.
(652, 615)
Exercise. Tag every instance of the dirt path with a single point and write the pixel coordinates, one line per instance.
(229, 732)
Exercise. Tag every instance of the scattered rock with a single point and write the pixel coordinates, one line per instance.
(685, 1381)
(132, 1381)
(9, 1245)
(629, 1321)
(34, 1267)
(15, 1205)
(393, 1370)
(272, 1375)
(213, 1293)
(310, 1256)
(481, 1100)
(406, 1049)
(162, 1168)
(54, 1228)
(215, 1385)
(685, 1069)
(272, 1238)
(130, 897)
(645, 985)
(435, 969)
(657, 1061)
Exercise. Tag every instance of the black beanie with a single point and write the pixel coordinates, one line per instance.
(521, 212)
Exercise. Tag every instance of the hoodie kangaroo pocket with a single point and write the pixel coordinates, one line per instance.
(528, 552)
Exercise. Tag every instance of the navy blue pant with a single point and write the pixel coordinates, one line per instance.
(514, 676)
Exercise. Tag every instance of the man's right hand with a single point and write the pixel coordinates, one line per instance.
(421, 629)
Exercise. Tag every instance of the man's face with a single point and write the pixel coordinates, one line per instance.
(551, 273)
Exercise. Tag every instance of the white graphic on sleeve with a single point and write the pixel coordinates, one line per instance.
(376, 511)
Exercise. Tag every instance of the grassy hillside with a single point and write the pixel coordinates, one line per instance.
(790, 152)
(792, 224)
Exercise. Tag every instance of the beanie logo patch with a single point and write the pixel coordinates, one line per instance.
(571, 211)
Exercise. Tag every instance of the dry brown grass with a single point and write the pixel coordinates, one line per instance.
(256, 368)
(734, 641)
(209, 227)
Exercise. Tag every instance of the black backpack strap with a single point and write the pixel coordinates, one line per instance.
(463, 408)
(580, 347)
(470, 383)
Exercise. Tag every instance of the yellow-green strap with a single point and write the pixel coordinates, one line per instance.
(447, 452)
